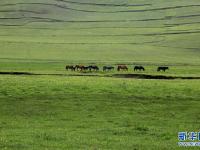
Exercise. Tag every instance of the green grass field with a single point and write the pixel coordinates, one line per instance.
(139, 31)
(61, 110)
(95, 113)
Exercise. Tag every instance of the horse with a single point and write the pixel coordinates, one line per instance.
(95, 68)
(68, 67)
(109, 68)
(140, 68)
(122, 67)
(85, 68)
(162, 68)
(79, 67)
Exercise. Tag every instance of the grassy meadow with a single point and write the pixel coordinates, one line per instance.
(61, 110)
(131, 31)
(54, 113)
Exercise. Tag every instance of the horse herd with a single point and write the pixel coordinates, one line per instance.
(109, 68)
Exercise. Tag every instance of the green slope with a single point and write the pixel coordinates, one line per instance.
(142, 31)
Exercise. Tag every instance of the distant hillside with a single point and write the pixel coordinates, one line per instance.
(107, 30)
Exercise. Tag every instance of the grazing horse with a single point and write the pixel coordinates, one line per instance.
(140, 68)
(79, 67)
(109, 68)
(85, 68)
(72, 68)
(95, 68)
(122, 67)
(162, 68)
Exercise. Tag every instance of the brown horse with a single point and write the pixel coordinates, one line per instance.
(80, 67)
(122, 67)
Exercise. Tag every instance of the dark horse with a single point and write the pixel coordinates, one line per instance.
(140, 68)
(68, 67)
(122, 67)
(109, 68)
(93, 67)
(162, 68)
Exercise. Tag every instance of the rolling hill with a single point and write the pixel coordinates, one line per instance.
(139, 31)
(45, 106)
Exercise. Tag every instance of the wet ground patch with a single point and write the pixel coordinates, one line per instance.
(134, 76)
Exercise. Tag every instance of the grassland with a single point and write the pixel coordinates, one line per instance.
(61, 111)
(156, 32)
(95, 113)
